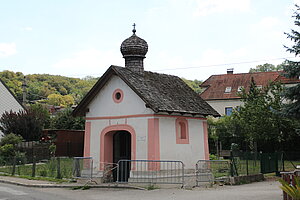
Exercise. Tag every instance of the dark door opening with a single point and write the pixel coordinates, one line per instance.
(122, 151)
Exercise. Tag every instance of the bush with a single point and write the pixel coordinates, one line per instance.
(8, 149)
(11, 139)
(28, 124)
(213, 157)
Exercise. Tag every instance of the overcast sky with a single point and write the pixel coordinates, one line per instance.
(188, 38)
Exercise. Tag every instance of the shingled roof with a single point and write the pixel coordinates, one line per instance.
(216, 84)
(160, 92)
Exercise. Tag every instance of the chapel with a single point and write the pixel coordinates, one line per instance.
(135, 114)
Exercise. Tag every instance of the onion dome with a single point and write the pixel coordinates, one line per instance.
(134, 50)
(134, 46)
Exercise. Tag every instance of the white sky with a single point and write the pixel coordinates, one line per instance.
(188, 38)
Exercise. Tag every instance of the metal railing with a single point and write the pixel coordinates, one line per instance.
(212, 171)
(150, 171)
(83, 167)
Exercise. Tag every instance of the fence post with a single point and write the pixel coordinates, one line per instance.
(33, 166)
(14, 166)
(247, 168)
(58, 168)
(282, 160)
(231, 164)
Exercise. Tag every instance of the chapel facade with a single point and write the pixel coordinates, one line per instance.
(135, 114)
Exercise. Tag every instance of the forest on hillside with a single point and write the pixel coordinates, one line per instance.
(57, 90)
(41, 86)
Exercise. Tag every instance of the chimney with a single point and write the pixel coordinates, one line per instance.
(230, 71)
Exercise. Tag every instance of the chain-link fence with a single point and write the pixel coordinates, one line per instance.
(245, 163)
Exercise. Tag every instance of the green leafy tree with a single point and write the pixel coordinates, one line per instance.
(224, 130)
(65, 120)
(40, 86)
(195, 85)
(28, 124)
(43, 112)
(259, 118)
(266, 68)
(60, 100)
(292, 69)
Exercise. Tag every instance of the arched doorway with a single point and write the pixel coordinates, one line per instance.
(122, 151)
(117, 142)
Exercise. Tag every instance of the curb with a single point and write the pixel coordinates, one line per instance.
(69, 186)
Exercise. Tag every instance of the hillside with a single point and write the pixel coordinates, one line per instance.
(40, 86)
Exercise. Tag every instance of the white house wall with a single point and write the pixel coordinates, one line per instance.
(7, 102)
(220, 105)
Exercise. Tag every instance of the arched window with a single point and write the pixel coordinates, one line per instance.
(182, 131)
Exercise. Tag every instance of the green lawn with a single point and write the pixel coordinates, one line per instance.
(47, 169)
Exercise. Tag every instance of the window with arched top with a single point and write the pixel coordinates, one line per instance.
(182, 131)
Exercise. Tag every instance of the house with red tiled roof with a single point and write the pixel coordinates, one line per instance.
(221, 91)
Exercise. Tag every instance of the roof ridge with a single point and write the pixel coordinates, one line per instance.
(246, 73)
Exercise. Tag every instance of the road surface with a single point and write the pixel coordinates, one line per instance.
(267, 190)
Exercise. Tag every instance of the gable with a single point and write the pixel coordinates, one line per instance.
(105, 103)
(160, 92)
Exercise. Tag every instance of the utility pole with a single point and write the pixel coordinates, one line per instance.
(24, 86)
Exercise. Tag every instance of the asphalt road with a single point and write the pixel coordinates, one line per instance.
(268, 190)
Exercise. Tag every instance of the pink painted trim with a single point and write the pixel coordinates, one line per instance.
(87, 139)
(206, 148)
(114, 96)
(185, 130)
(137, 116)
(153, 144)
(106, 143)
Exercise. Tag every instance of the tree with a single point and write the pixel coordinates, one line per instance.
(259, 118)
(266, 68)
(60, 100)
(28, 124)
(292, 69)
(224, 131)
(43, 112)
(194, 85)
(65, 120)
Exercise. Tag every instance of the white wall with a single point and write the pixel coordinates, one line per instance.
(220, 105)
(103, 104)
(104, 109)
(104, 112)
(140, 125)
(188, 153)
(7, 102)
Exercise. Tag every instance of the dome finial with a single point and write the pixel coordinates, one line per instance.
(133, 28)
